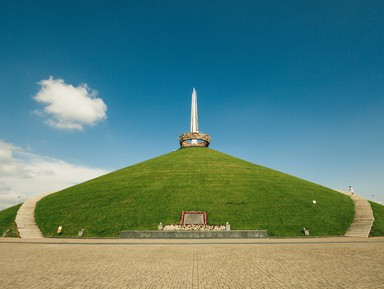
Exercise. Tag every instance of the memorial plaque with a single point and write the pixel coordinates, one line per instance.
(193, 218)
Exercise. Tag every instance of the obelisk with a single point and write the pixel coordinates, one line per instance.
(194, 115)
(194, 138)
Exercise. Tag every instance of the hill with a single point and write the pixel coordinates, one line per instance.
(7, 221)
(378, 224)
(246, 195)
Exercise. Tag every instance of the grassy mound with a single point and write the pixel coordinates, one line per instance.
(378, 224)
(7, 221)
(246, 195)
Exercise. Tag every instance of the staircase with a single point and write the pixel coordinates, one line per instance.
(25, 219)
(362, 224)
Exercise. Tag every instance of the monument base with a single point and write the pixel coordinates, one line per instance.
(189, 145)
(241, 234)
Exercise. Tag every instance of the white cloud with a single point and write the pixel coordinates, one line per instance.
(69, 107)
(24, 174)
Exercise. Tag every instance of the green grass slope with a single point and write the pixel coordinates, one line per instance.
(7, 221)
(246, 195)
(378, 224)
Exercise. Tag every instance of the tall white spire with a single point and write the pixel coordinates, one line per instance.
(194, 116)
(194, 138)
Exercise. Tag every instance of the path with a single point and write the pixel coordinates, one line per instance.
(363, 221)
(25, 218)
(362, 224)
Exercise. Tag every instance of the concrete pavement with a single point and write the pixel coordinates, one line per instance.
(267, 263)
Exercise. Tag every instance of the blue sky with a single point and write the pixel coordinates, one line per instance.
(89, 87)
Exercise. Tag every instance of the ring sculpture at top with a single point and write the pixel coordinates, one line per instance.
(194, 138)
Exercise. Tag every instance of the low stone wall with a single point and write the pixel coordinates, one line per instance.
(246, 234)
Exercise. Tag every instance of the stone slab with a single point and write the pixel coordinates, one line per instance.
(193, 219)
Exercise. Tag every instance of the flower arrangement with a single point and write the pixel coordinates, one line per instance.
(194, 228)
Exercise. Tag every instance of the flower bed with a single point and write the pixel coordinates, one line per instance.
(194, 228)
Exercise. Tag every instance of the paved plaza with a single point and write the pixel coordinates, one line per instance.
(265, 263)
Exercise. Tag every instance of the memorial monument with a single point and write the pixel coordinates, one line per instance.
(194, 138)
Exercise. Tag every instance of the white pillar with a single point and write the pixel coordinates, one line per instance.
(194, 116)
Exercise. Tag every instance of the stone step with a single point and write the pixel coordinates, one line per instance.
(358, 221)
(357, 235)
(358, 229)
(360, 225)
(363, 221)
